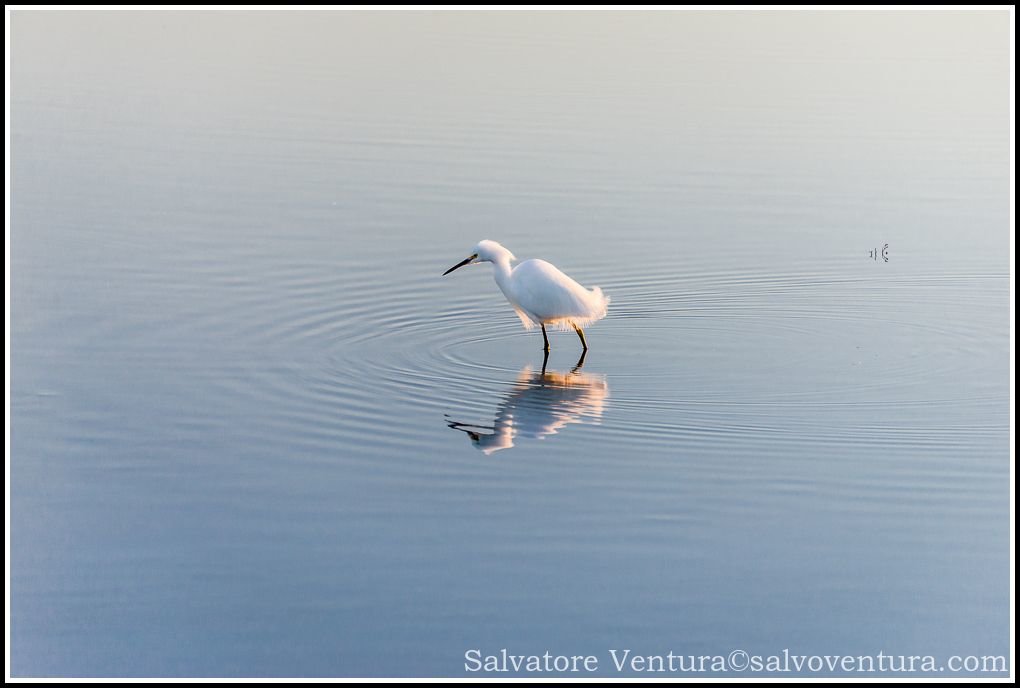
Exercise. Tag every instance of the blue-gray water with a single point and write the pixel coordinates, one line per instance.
(235, 366)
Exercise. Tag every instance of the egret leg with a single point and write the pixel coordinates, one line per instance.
(580, 333)
(545, 362)
(546, 338)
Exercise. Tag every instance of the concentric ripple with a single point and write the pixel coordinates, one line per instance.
(766, 360)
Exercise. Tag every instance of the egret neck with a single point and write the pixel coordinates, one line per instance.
(501, 271)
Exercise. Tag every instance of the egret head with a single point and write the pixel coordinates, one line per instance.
(486, 251)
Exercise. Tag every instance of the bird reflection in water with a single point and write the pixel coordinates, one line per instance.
(539, 404)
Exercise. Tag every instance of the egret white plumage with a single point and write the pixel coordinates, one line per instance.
(539, 292)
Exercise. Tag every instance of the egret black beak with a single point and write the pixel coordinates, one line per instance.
(461, 264)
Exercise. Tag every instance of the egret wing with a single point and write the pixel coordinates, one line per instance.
(547, 294)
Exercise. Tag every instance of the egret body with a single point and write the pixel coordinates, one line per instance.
(539, 292)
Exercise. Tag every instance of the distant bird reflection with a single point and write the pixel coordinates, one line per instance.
(539, 404)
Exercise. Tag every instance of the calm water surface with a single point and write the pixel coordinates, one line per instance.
(254, 432)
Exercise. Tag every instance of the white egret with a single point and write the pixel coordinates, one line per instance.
(539, 292)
